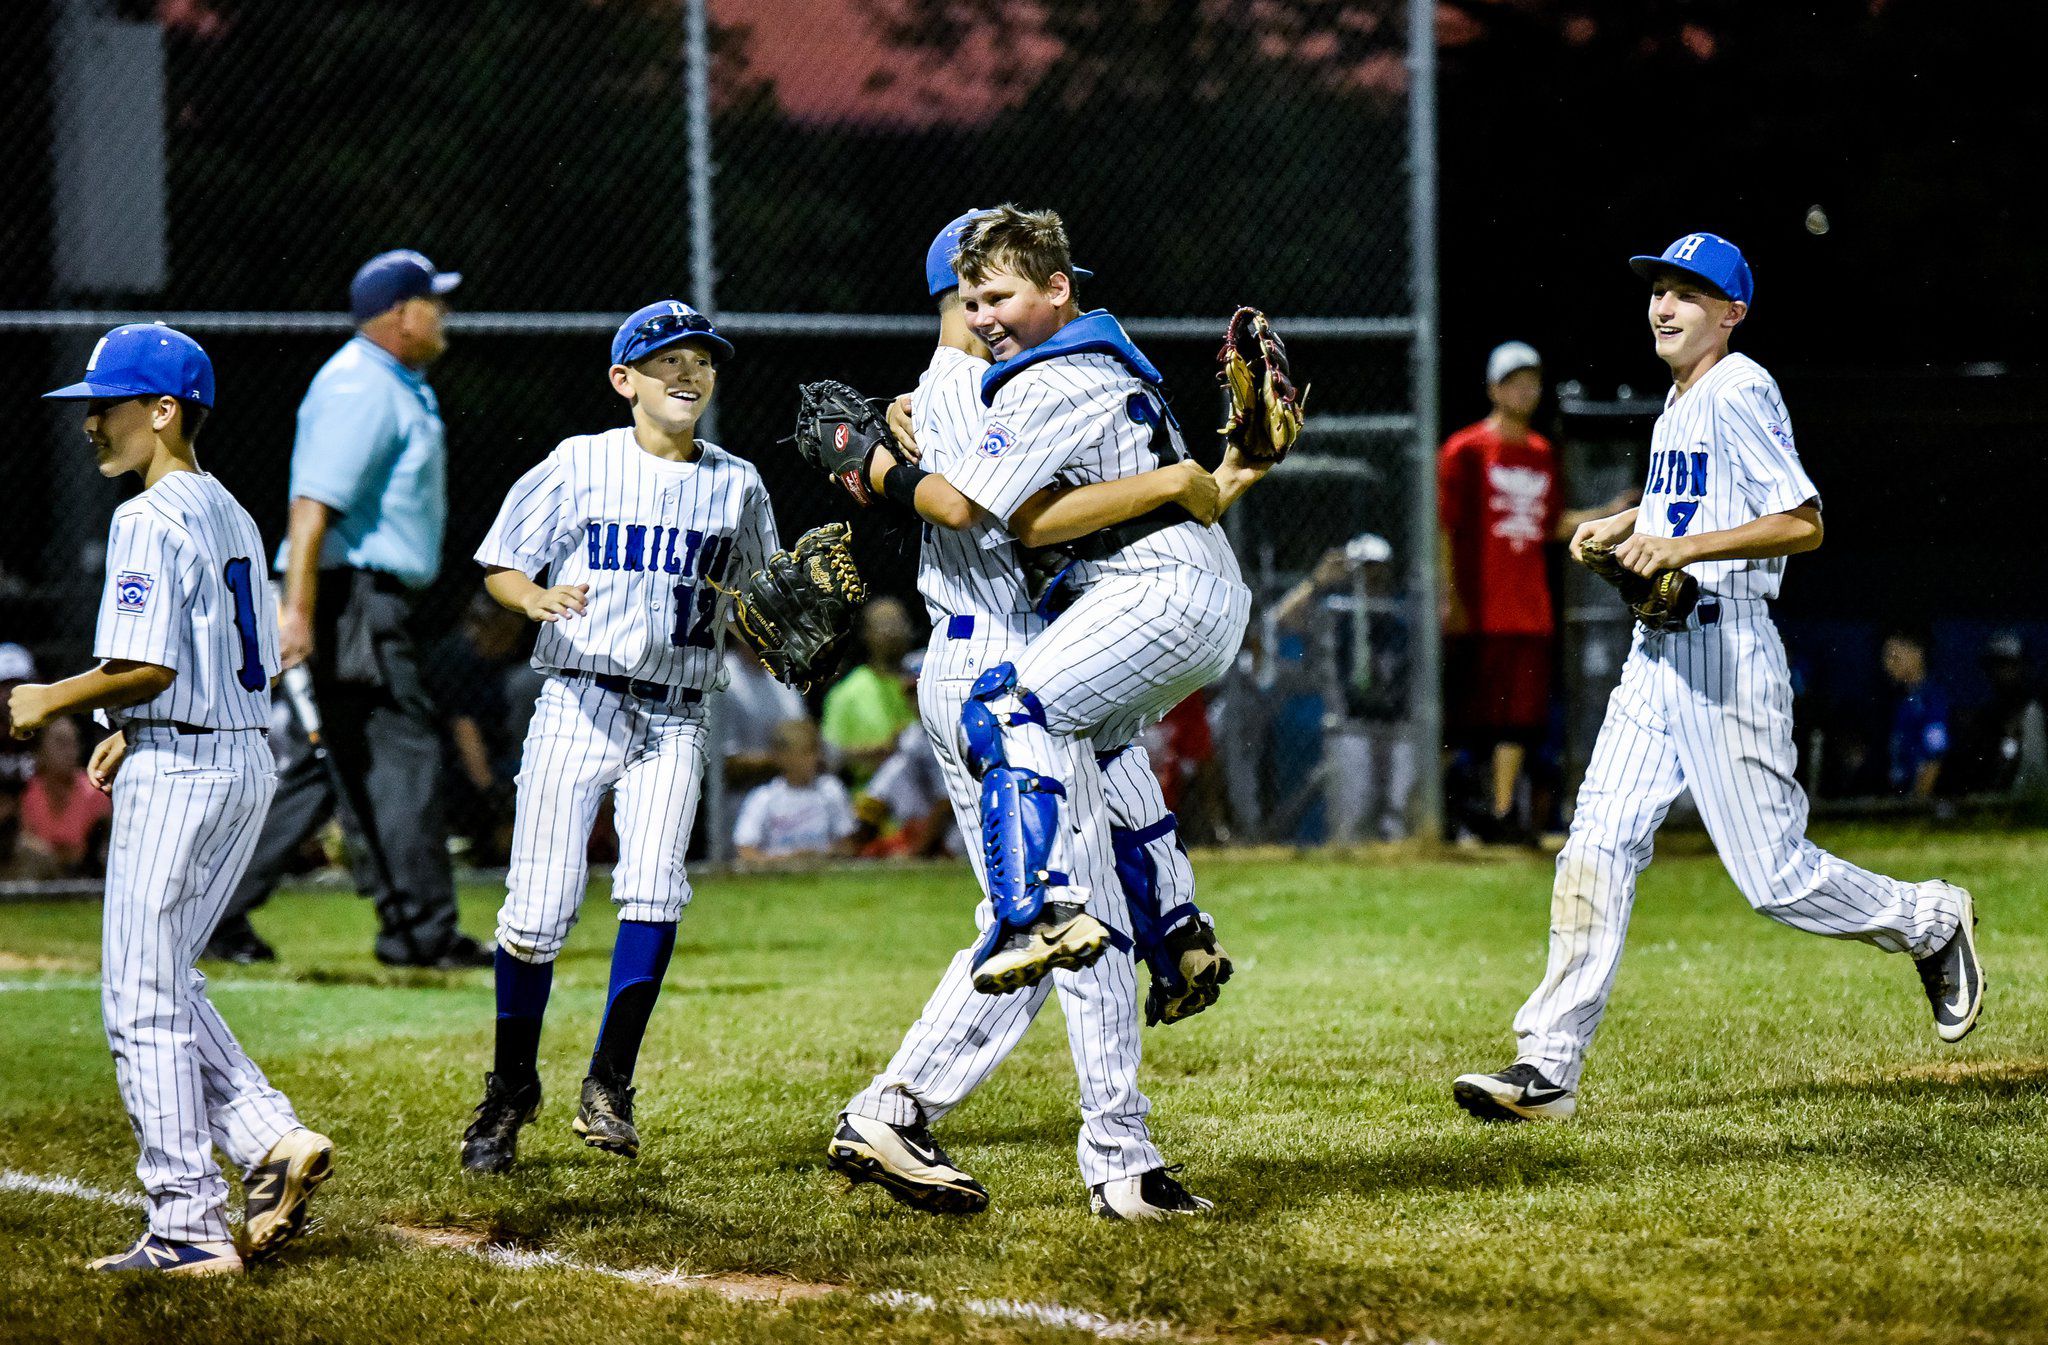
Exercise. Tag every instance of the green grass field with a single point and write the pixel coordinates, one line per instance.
(1772, 1144)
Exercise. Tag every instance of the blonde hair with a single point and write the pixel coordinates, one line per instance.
(1033, 243)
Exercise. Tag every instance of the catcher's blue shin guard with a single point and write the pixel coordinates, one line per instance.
(1019, 807)
(1019, 810)
(1139, 878)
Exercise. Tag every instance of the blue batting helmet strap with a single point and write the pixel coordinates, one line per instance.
(1709, 257)
(1020, 812)
(143, 359)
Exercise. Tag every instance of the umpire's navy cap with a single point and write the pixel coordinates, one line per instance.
(660, 325)
(143, 359)
(1709, 257)
(390, 278)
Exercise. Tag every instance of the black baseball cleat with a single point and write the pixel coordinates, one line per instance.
(1953, 977)
(491, 1144)
(1517, 1093)
(605, 1118)
(459, 953)
(1203, 967)
(1150, 1195)
(279, 1191)
(1063, 937)
(906, 1162)
(238, 942)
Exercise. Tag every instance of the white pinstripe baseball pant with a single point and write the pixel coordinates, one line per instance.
(583, 741)
(1710, 708)
(187, 811)
(962, 1035)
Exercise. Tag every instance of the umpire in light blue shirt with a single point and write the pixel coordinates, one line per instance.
(369, 503)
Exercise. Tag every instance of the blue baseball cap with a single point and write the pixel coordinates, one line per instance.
(939, 275)
(390, 278)
(143, 359)
(660, 325)
(1710, 257)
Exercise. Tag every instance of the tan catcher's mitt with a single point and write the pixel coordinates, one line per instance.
(1265, 409)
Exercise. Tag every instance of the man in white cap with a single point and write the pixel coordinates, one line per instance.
(1500, 505)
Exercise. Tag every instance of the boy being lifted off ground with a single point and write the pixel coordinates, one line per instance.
(1705, 702)
(638, 527)
(1154, 608)
(976, 594)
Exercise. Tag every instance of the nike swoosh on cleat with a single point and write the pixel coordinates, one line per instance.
(1542, 1099)
(1962, 999)
(930, 1158)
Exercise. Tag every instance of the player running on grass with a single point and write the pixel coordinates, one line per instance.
(637, 527)
(187, 639)
(981, 611)
(1709, 707)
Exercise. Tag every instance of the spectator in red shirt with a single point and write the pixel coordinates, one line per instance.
(63, 815)
(1499, 503)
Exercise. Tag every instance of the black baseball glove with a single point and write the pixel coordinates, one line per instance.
(1660, 602)
(838, 431)
(798, 609)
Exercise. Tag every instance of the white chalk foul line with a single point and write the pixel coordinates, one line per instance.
(519, 1258)
(10, 1180)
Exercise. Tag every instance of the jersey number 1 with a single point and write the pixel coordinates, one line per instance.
(250, 674)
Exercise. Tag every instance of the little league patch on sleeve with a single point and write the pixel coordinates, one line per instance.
(131, 591)
(996, 442)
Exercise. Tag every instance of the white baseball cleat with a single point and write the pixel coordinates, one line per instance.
(1064, 937)
(1145, 1197)
(1517, 1093)
(906, 1162)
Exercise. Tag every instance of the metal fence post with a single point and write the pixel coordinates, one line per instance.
(1424, 689)
(704, 297)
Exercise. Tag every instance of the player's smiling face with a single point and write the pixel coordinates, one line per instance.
(671, 387)
(1011, 313)
(123, 431)
(1688, 319)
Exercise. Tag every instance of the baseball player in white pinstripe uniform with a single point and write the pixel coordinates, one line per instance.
(187, 638)
(1156, 609)
(1709, 708)
(641, 530)
(981, 612)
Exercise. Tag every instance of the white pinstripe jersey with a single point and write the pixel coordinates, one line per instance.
(976, 570)
(1721, 456)
(186, 591)
(652, 538)
(1077, 418)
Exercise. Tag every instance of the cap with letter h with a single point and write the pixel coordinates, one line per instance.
(662, 324)
(143, 359)
(1707, 257)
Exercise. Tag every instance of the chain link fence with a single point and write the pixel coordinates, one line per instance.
(226, 164)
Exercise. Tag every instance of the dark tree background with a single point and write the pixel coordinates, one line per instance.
(1206, 151)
